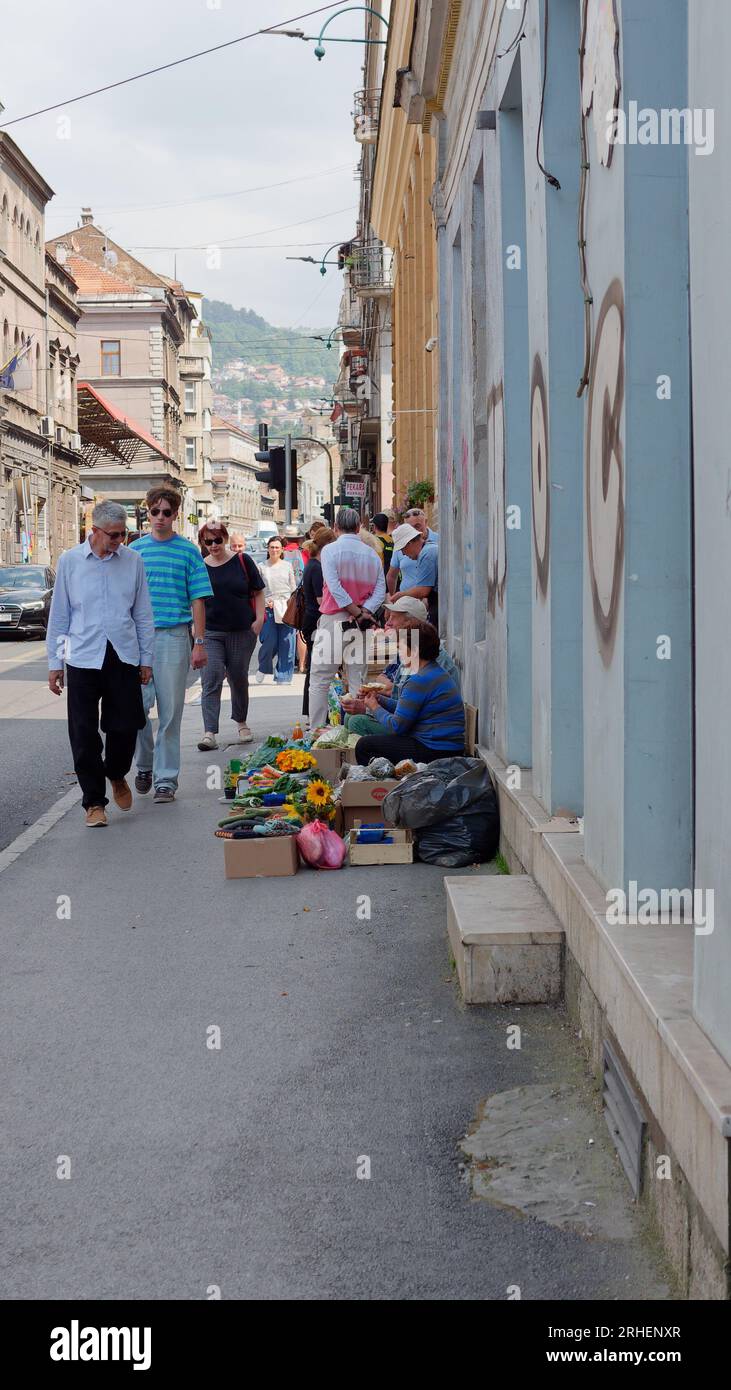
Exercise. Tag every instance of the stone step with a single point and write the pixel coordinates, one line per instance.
(505, 939)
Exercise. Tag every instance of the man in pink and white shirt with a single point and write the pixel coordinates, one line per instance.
(353, 586)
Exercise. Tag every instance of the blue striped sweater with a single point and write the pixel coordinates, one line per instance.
(430, 709)
(176, 574)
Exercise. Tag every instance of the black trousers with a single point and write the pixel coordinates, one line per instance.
(117, 686)
(309, 636)
(395, 747)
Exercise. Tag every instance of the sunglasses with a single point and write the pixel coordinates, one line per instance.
(112, 535)
(213, 540)
(160, 511)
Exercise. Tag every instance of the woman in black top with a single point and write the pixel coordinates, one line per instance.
(312, 590)
(234, 619)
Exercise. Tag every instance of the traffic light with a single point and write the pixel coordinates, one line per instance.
(140, 515)
(275, 475)
(328, 511)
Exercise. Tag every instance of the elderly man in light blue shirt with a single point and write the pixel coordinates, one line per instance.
(100, 640)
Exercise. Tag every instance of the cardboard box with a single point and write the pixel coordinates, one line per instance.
(275, 857)
(400, 852)
(330, 761)
(364, 801)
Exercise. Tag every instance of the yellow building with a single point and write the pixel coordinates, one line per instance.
(402, 215)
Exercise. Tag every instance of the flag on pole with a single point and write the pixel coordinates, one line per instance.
(17, 374)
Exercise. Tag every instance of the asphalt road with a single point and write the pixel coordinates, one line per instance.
(235, 1168)
(35, 759)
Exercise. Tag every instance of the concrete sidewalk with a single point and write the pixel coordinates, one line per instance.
(341, 1040)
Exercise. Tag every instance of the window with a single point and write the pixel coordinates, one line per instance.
(319, 499)
(190, 453)
(190, 398)
(111, 358)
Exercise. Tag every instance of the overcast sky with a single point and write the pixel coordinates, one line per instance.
(262, 112)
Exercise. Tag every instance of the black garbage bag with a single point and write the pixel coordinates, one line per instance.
(449, 786)
(472, 838)
(454, 809)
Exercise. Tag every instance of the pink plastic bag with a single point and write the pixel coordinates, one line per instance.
(320, 847)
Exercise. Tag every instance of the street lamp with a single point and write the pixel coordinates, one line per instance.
(312, 260)
(339, 328)
(320, 49)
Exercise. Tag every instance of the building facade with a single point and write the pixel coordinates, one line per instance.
(236, 492)
(133, 331)
(39, 447)
(363, 391)
(583, 516)
(404, 175)
(318, 471)
(196, 441)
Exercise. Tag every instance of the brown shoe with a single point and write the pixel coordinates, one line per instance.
(122, 794)
(96, 817)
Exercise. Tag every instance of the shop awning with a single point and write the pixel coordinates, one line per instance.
(106, 432)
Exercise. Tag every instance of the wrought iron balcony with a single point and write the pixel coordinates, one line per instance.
(372, 269)
(351, 402)
(366, 112)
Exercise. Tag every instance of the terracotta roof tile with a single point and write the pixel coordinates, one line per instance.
(92, 279)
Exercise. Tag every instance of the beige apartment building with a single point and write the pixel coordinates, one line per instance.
(134, 327)
(39, 443)
(318, 467)
(196, 438)
(236, 492)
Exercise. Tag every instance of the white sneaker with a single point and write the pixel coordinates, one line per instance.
(207, 742)
(259, 677)
(245, 734)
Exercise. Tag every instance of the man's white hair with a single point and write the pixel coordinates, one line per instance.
(347, 519)
(106, 512)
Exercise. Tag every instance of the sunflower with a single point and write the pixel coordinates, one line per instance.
(318, 793)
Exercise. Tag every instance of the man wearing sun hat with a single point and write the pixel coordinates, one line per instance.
(415, 563)
(402, 611)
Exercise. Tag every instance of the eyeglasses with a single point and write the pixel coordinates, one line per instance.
(213, 540)
(112, 535)
(160, 511)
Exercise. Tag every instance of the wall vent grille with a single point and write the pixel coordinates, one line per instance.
(625, 1117)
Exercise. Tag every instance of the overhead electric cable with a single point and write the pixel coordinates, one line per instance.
(224, 241)
(207, 197)
(164, 67)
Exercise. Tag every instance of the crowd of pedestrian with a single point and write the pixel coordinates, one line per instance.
(131, 618)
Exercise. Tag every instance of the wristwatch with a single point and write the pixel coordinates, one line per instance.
(199, 641)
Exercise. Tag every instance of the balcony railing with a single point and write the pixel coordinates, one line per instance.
(351, 402)
(372, 268)
(366, 112)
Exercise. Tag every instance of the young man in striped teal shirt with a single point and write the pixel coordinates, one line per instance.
(177, 578)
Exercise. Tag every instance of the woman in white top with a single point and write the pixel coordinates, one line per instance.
(277, 638)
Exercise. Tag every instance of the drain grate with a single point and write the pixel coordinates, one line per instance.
(625, 1117)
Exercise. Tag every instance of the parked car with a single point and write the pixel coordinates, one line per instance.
(256, 548)
(25, 598)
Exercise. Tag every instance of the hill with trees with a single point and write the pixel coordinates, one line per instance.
(241, 333)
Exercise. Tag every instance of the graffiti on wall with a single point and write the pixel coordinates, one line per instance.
(604, 464)
(600, 72)
(496, 547)
(541, 508)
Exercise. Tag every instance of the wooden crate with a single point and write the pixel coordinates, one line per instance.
(400, 852)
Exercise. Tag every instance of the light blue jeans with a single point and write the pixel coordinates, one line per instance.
(170, 665)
